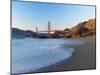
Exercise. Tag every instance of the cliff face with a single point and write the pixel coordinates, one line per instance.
(83, 29)
(90, 24)
(17, 33)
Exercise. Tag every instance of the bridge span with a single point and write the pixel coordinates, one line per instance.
(46, 33)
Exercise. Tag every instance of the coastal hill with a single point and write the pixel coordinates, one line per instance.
(18, 33)
(90, 24)
(84, 29)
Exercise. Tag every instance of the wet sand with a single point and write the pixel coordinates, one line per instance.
(84, 58)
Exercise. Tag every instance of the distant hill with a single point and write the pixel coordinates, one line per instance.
(18, 33)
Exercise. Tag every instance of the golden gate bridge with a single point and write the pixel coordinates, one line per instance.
(48, 30)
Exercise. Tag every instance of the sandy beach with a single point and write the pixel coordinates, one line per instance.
(84, 58)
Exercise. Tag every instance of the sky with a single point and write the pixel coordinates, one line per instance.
(29, 15)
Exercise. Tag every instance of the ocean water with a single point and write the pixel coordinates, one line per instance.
(33, 54)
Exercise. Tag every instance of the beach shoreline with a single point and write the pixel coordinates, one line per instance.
(84, 58)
